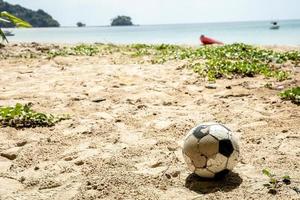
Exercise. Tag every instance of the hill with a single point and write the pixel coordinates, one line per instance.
(37, 18)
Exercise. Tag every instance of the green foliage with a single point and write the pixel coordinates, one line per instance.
(86, 50)
(221, 61)
(15, 20)
(2, 35)
(37, 18)
(7, 17)
(292, 94)
(82, 50)
(212, 62)
(121, 21)
(274, 183)
(22, 116)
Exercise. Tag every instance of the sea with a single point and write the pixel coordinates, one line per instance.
(258, 33)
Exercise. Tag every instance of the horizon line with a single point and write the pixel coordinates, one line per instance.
(212, 22)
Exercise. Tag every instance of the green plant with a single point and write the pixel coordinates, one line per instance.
(292, 94)
(22, 116)
(274, 183)
(82, 50)
(212, 62)
(221, 61)
(7, 18)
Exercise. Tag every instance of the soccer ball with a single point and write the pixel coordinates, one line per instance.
(211, 150)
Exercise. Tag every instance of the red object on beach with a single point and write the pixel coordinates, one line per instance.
(206, 40)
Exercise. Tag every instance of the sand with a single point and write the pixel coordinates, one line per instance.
(128, 121)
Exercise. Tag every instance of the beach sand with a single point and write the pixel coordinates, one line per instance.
(128, 122)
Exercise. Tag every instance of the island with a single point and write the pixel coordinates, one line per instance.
(80, 24)
(37, 18)
(121, 20)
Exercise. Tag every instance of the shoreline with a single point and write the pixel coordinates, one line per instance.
(272, 46)
(294, 46)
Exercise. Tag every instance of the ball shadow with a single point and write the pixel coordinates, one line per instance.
(206, 186)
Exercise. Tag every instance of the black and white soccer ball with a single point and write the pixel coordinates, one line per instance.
(211, 150)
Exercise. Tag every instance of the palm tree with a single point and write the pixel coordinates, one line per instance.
(9, 18)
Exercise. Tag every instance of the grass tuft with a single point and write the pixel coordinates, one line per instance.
(79, 50)
(274, 182)
(22, 116)
(292, 94)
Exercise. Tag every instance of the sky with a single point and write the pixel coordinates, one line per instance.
(100, 12)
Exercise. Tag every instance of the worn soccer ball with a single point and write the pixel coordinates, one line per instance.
(211, 150)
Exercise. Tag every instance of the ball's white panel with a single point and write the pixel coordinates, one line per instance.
(217, 163)
(189, 163)
(199, 162)
(205, 127)
(218, 131)
(208, 146)
(190, 133)
(233, 160)
(234, 141)
(204, 173)
(191, 146)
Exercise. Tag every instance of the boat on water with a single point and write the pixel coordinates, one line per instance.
(8, 33)
(208, 41)
(274, 26)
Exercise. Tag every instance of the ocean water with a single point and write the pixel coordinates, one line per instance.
(245, 32)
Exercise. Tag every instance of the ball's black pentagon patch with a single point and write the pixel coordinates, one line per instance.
(201, 131)
(221, 174)
(226, 148)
